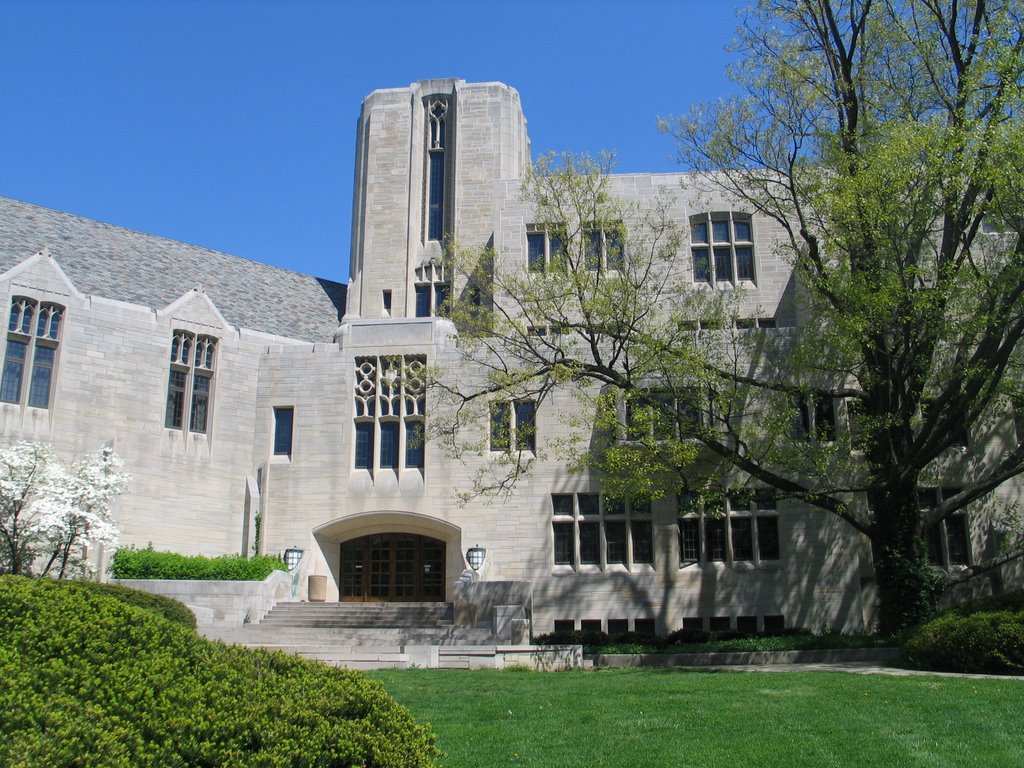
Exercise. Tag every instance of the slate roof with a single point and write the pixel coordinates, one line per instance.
(118, 263)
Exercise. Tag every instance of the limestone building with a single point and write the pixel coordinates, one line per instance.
(259, 409)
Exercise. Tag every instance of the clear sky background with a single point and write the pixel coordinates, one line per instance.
(231, 123)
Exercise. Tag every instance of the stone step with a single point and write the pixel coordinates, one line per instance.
(327, 615)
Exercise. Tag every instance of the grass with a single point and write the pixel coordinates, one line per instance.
(652, 717)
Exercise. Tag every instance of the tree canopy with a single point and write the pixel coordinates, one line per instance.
(884, 141)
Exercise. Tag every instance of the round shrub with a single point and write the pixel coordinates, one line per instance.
(688, 636)
(1011, 601)
(990, 642)
(167, 607)
(91, 680)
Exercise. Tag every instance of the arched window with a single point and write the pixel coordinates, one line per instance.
(33, 338)
(190, 383)
(437, 166)
(390, 406)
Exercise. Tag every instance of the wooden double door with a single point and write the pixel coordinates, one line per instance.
(396, 567)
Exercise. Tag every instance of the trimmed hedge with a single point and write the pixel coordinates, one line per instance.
(985, 635)
(91, 680)
(131, 563)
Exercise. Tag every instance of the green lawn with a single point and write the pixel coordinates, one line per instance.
(645, 718)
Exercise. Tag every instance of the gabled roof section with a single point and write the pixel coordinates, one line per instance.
(118, 263)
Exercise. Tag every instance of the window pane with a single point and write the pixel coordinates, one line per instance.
(616, 257)
(720, 231)
(933, 538)
(563, 543)
(825, 420)
(592, 249)
(414, 445)
(561, 504)
(689, 539)
(768, 538)
(590, 543)
(535, 251)
(283, 420)
(42, 374)
(364, 445)
(440, 299)
(500, 427)
(422, 301)
(200, 403)
(526, 426)
(435, 212)
(699, 232)
(715, 530)
(701, 266)
(389, 444)
(742, 538)
(745, 262)
(175, 400)
(643, 543)
(14, 370)
(742, 230)
(956, 540)
(723, 264)
(615, 540)
(589, 503)
(555, 253)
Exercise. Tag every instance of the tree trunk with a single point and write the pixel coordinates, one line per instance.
(908, 587)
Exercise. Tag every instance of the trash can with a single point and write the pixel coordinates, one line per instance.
(317, 588)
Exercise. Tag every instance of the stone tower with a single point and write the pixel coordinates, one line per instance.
(427, 157)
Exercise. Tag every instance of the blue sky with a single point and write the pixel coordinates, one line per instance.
(231, 123)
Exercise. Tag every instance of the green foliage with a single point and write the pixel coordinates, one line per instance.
(166, 607)
(666, 718)
(990, 642)
(91, 680)
(1011, 601)
(701, 641)
(131, 563)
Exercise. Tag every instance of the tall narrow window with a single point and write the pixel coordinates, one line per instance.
(284, 419)
(33, 334)
(513, 424)
(190, 382)
(437, 118)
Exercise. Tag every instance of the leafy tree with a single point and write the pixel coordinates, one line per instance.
(49, 513)
(885, 140)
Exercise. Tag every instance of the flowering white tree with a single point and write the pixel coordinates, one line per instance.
(49, 513)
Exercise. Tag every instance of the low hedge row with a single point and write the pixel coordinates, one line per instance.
(131, 563)
(91, 680)
(982, 636)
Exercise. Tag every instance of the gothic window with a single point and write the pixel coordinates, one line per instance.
(814, 417)
(433, 286)
(602, 249)
(437, 139)
(948, 540)
(33, 336)
(390, 407)
(722, 248)
(190, 382)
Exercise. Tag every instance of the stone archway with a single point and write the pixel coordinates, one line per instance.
(391, 556)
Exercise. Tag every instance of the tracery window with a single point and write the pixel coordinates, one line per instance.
(190, 382)
(437, 139)
(722, 247)
(390, 407)
(33, 337)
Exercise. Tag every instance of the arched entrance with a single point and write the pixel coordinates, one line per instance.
(398, 567)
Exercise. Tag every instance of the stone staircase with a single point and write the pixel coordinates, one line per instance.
(364, 635)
